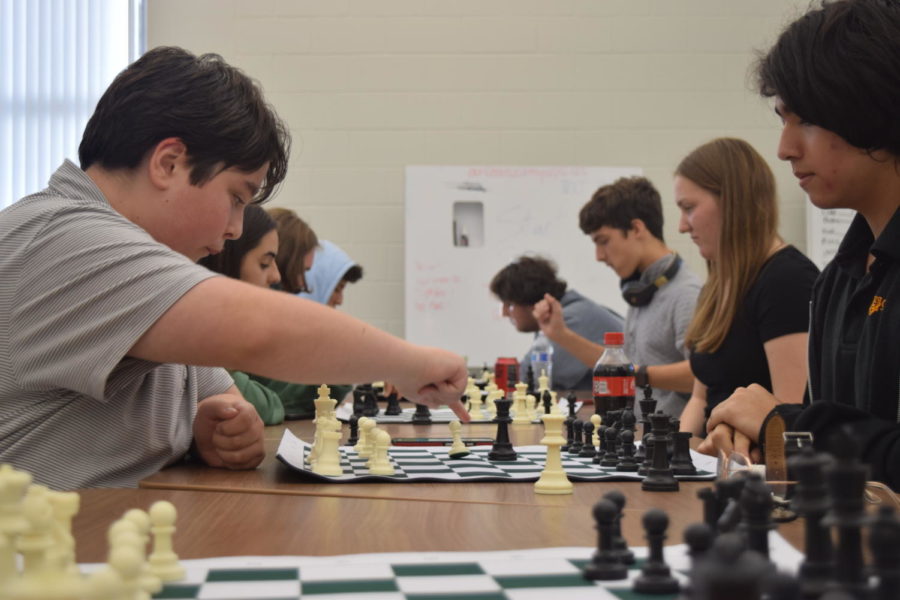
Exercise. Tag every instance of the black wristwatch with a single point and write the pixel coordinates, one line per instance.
(641, 378)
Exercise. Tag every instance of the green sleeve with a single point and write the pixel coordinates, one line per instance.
(267, 402)
(299, 399)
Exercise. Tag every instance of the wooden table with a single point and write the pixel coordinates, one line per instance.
(222, 524)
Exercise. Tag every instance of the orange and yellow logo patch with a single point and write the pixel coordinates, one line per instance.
(877, 305)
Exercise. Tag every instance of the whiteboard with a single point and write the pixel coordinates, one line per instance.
(824, 231)
(448, 269)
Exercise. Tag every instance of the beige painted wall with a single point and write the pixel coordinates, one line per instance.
(370, 86)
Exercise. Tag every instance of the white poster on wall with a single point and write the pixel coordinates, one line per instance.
(824, 231)
(463, 224)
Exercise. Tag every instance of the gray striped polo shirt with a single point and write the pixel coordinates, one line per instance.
(79, 285)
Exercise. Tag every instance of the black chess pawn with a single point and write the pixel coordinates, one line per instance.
(370, 404)
(682, 464)
(781, 586)
(547, 400)
(655, 577)
(611, 456)
(571, 399)
(422, 416)
(846, 479)
(711, 511)
(605, 564)
(601, 447)
(587, 446)
(529, 380)
(659, 474)
(577, 437)
(570, 434)
(620, 546)
(698, 537)
(756, 509)
(393, 405)
(503, 448)
(628, 420)
(884, 541)
(358, 401)
(811, 501)
(627, 463)
(354, 430)
(729, 571)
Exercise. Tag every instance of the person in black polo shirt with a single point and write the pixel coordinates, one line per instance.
(829, 73)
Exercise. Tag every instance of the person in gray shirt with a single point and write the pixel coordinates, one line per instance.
(111, 336)
(520, 284)
(625, 220)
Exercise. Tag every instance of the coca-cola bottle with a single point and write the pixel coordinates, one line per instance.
(613, 376)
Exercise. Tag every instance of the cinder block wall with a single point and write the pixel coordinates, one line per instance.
(370, 86)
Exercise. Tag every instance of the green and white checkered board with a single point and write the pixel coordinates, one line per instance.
(433, 464)
(438, 415)
(512, 575)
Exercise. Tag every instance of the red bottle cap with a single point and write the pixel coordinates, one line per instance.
(613, 338)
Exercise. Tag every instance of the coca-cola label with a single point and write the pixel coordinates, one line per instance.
(613, 386)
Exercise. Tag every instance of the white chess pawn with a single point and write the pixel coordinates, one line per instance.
(126, 560)
(106, 584)
(543, 382)
(150, 583)
(554, 404)
(520, 403)
(163, 560)
(596, 420)
(458, 449)
(328, 461)
(381, 462)
(35, 541)
(475, 402)
(65, 506)
(13, 485)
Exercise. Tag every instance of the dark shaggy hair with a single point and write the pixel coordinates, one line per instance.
(213, 108)
(616, 205)
(837, 67)
(527, 280)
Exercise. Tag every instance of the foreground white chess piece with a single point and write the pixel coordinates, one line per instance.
(553, 479)
(458, 449)
(163, 560)
(381, 462)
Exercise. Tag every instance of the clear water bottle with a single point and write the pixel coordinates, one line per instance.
(613, 376)
(542, 360)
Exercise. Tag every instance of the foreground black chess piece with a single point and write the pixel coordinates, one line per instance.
(605, 564)
(655, 577)
(393, 405)
(756, 508)
(699, 539)
(682, 463)
(884, 541)
(422, 416)
(846, 483)
(659, 475)
(811, 502)
(502, 449)
(781, 586)
(729, 571)
(354, 431)
(620, 546)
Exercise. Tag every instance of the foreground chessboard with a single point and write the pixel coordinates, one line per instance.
(438, 415)
(432, 464)
(535, 574)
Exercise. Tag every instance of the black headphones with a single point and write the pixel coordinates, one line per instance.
(638, 292)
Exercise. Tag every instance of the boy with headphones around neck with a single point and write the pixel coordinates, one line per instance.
(624, 220)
